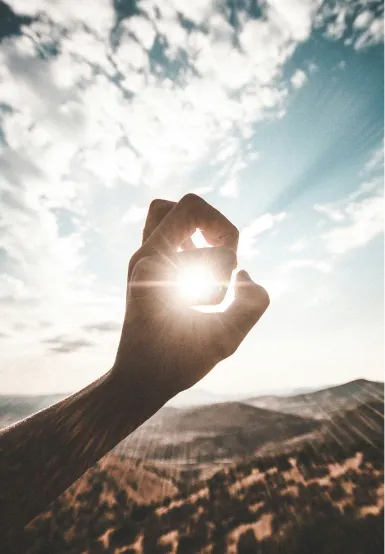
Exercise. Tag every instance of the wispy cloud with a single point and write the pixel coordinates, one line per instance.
(298, 263)
(134, 214)
(103, 327)
(64, 345)
(376, 160)
(364, 221)
(298, 79)
(249, 234)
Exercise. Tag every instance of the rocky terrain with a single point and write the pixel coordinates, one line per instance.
(301, 502)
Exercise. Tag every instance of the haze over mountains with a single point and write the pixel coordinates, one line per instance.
(229, 430)
(306, 403)
(319, 404)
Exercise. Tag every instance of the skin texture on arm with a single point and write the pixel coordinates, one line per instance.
(165, 348)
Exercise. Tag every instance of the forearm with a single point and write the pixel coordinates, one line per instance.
(43, 455)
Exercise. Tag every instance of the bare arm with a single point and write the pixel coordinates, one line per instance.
(43, 455)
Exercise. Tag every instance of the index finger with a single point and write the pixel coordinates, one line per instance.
(189, 214)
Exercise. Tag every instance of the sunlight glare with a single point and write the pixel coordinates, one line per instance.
(199, 240)
(196, 283)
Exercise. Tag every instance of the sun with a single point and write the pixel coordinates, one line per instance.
(196, 284)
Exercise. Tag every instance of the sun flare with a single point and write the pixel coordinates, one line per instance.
(196, 283)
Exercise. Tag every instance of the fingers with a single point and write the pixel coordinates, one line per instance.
(184, 218)
(251, 301)
(157, 211)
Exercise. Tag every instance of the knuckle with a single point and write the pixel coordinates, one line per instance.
(190, 199)
(159, 204)
(234, 231)
(142, 266)
(133, 261)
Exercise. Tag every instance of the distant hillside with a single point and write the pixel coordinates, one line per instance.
(16, 407)
(216, 432)
(364, 423)
(305, 502)
(321, 404)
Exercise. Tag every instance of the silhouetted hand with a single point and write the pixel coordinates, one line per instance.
(166, 346)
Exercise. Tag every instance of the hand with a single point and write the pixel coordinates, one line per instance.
(166, 346)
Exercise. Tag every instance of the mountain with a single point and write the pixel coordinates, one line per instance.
(196, 397)
(364, 423)
(322, 403)
(16, 407)
(295, 503)
(216, 432)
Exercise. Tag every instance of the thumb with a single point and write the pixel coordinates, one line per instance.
(250, 303)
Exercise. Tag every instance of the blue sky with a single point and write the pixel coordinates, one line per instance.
(271, 110)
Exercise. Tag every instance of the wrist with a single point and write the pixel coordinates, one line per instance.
(134, 385)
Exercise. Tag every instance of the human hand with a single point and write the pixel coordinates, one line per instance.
(166, 346)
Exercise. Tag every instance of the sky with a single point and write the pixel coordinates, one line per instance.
(271, 110)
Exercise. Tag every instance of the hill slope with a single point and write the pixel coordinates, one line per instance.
(320, 404)
(212, 433)
(293, 503)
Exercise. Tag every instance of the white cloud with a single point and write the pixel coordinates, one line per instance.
(249, 235)
(374, 34)
(294, 16)
(363, 19)
(365, 221)
(336, 18)
(135, 214)
(299, 245)
(337, 27)
(376, 161)
(333, 212)
(319, 265)
(98, 14)
(298, 79)
(229, 189)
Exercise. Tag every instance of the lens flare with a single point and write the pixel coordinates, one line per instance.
(196, 283)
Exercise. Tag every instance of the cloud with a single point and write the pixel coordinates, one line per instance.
(103, 327)
(63, 345)
(363, 19)
(376, 160)
(249, 235)
(135, 214)
(299, 245)
(319, 265)
(364, 222)
(360, 215)
(338, 18)
(373, 34)
(298, 79)
(331, 211)
(230, 189)
(14, 291)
